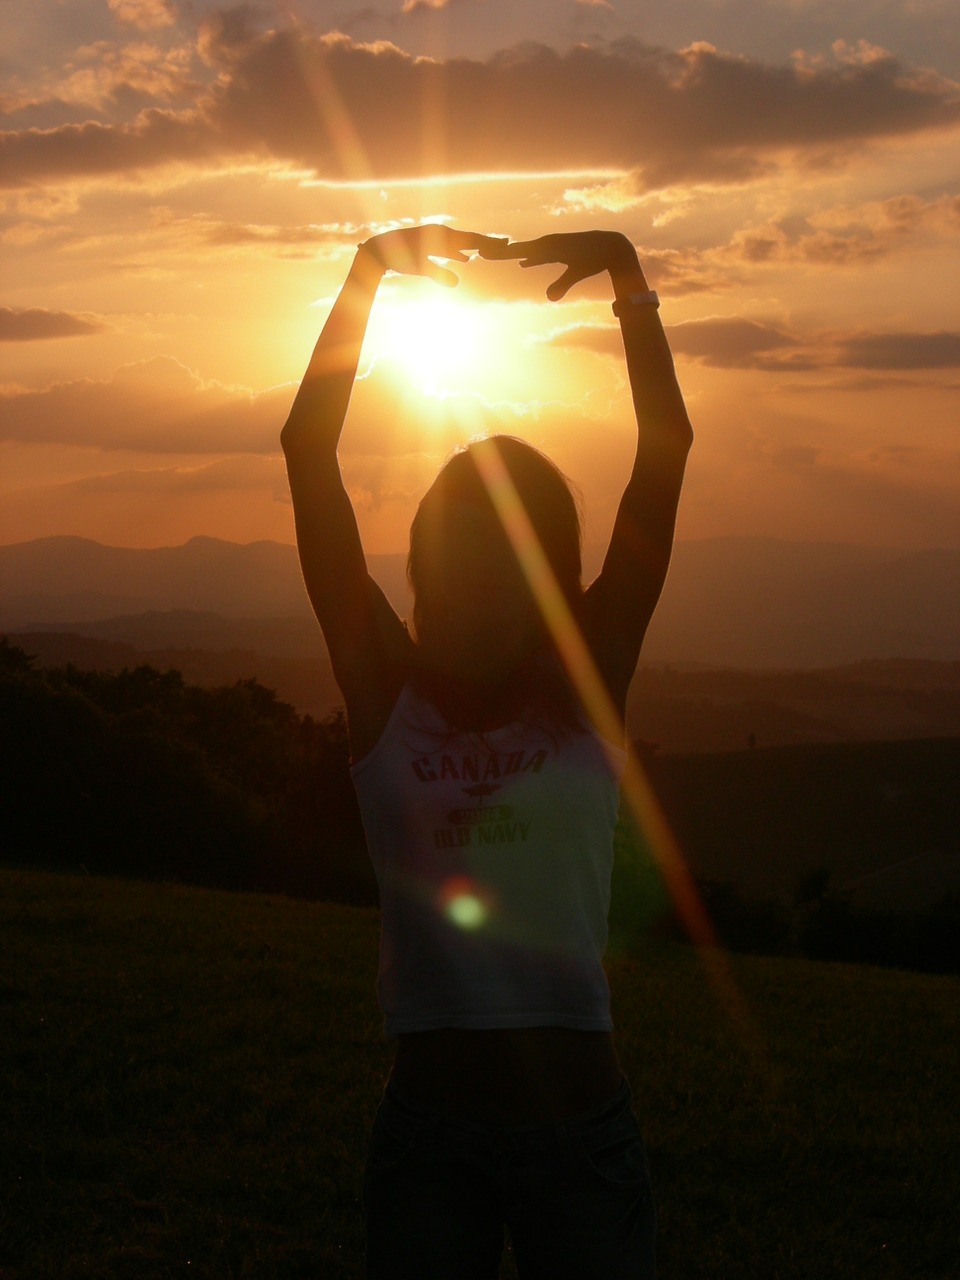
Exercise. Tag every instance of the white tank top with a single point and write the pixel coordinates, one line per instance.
(493, 854)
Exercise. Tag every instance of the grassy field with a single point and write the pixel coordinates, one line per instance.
(188, 1078)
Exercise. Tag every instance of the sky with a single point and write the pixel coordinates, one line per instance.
(183, 185)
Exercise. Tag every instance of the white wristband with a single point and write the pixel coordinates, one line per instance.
(635, 300)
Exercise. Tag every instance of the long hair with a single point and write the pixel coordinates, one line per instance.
(553, 510)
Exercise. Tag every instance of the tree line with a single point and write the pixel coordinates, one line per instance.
(138, 773)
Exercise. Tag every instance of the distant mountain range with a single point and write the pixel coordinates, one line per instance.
(755, 641)
(752, 603)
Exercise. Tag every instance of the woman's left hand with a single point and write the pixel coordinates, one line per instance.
(584, 253)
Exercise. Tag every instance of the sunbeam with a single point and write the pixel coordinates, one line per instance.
(586, 678)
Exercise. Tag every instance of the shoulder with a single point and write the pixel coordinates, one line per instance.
(377, 675)
(611, 647)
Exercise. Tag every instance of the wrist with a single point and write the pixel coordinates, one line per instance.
(635, 304)
(366, 263)
(628, 279)
(624, 268)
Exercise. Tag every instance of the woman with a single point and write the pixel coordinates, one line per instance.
(489, 796)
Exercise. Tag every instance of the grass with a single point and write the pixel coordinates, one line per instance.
(188, 1078)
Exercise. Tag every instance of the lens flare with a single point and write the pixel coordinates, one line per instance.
(585, 676)
(463, 903)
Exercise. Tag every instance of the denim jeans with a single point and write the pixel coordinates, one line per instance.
(575, 1196)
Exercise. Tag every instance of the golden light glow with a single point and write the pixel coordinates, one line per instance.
(436, 342)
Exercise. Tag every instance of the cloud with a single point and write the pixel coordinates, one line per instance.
(729, 342)
(351, 111)
(670, 115)
(415, 6)
(148, 15)
(901, 351)
(603, 339)
(683, 271)
(225, 474)
(87, 150)
(132, 77)
(156, 406)
(848, 235)
(433, 6)
(613, 195)
(734, 342)
(227, 33)
(34, 323)
(721, 342)
(198, 229)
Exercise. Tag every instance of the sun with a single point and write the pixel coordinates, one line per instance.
(433, 339)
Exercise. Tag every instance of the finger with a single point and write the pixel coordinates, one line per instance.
(452, 250)
(444, 242)
(477, 240)
(440, 274)
(503, 249)
(563, 283)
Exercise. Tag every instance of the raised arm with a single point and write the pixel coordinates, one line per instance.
(364, 637)
(620, 603)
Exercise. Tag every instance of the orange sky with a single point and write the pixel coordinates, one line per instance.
(182, 186)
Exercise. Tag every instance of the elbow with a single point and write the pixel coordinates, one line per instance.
(683, 432)
(288, 434)
(295, 436)
(681, 435)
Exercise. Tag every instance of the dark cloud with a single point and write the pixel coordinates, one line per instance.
(721, 342)
(350, 111)
(729, 342)
(901, 351)
(91, 149)
(36, 113)
(35, 323)
(698, 113)
(733, 342)
(227, 33)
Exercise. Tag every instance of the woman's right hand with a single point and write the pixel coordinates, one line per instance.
(583, 253)
(411, 250)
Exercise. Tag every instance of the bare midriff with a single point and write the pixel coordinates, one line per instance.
(527, 1075)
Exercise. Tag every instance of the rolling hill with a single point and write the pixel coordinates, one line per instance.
(728, 602)
(755, 642)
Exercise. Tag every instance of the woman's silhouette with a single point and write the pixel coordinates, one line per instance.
(489, 796)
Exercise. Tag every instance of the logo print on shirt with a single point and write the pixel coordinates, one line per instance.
(477, 767)
(483, 812)
(482, 824)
